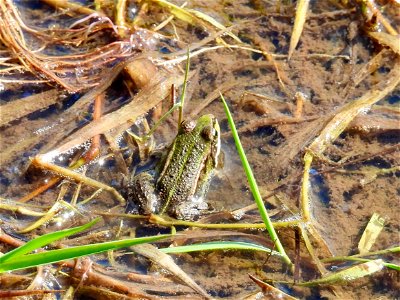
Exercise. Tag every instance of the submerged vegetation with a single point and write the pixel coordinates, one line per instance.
(88, 95)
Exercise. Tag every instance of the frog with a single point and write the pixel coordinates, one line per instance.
(179, 183)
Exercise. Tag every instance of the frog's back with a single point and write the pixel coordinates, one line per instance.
(179, 179)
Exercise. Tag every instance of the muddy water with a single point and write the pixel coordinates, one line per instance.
(347, 187)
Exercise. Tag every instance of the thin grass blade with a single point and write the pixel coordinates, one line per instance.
(45, 240)
(218, 246)
(386, 264)
(358, 257)
(348, 274)
(254, 188)
(52, 256)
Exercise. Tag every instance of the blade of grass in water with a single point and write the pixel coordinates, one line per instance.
(218, 246)
(349, 274)
(344, 276)
(182, 102)
(386, 264)
(44, 240)
(254, 187)
(52, 256)
(358, 257)
(371, 233)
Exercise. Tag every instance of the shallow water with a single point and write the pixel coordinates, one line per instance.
(353, 182)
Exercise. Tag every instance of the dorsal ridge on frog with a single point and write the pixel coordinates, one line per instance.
(182, 177)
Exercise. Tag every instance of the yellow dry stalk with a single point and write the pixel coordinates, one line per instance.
(335, 127)
(43, 162)
(332, 130)
(348, 112)
(21, 210)
(371, 233)
(193, 16)
(386, 39)
(55, 209)
(349, 274)
(300, 19)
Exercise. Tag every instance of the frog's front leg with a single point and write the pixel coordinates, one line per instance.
(143, 193)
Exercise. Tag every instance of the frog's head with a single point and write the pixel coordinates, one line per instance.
(205, 130)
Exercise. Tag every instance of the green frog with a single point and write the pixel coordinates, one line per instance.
(179, 183)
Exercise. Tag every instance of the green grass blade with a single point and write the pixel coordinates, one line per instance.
(348, 274)
(45, 240)
(254, 187)
(52, 256)
(358, 257)
(218, 246)
(185, 81)
(392, 266)
(386, 264)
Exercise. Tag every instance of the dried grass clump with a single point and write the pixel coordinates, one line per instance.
(36, 48)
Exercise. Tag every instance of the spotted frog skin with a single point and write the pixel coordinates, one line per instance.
(180, 182)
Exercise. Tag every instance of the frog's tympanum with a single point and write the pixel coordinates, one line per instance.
(178, 185)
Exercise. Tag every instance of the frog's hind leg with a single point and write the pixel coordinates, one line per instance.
(42, 162)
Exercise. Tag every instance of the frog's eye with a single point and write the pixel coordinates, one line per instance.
(187, 126)
(208, 133)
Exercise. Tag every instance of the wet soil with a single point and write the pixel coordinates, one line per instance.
(348, 185)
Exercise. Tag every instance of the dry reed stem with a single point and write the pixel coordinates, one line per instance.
(22, 293)
(166, 262)
(21, 210)
(371, 66)
(340, 120)
(158, 90)
(65, 4)
(300, 18)
(338, 123)
(41, 162)
(348, 112)
(374, 9)
(65, 119)
(120, 11)
(385, 39)
(84, 270)
(91, 154)
(146, 99)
